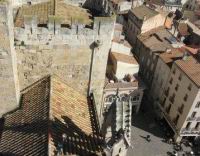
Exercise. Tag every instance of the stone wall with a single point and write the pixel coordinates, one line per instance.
(71, 64)
(70, 59)
(9, 86)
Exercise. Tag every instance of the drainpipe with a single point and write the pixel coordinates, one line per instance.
(93, 46)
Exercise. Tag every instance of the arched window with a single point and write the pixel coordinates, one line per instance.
(124, 97)
(109, 98)
(135, 98)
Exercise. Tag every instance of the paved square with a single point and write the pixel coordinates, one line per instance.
(144, 124)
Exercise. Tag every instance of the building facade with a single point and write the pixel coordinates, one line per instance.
(142, 19)
(180, 101)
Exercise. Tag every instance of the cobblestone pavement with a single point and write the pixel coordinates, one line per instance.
(143, 125)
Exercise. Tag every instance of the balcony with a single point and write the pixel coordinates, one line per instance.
(191, 118)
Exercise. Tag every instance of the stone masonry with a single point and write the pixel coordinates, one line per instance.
(70, 53)
(9, 88)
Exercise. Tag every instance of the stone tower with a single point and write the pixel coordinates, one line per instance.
(9, 88)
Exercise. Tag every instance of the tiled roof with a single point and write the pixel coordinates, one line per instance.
(171, 56)
(123, 58)
(50, 108)
(25, 131)
(183, 29)
(57, 9)
(143, 11)
(158, 39)
(191, 67)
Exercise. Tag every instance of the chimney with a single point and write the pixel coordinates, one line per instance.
(185, 56)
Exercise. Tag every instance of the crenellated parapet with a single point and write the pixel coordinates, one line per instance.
(54, 32)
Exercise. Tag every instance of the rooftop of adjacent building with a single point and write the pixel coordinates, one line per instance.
(143, 12)
(54, 9)
(172, 55)
(191, 67)
(123, 58)
(159, 40)
(118, 1)
(49, 108)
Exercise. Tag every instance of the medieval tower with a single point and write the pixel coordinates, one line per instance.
(9, 95)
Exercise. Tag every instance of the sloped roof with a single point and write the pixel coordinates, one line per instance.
(48, 109)
(170, 57)
(123, 58)
(191, 67)
(56, 9)
(143, 11)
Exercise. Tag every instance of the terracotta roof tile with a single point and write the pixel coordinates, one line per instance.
(144, 11)
(171, 56)
(48, 109)
(191, 67)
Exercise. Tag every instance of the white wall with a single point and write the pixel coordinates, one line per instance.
(153, 22)
(120, 48)
(124, 6)
(125, 68)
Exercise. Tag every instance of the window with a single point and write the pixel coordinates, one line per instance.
(180, 77)
(163, 103)
(124, 97)
(197, 105)
(193, 114)
(171, 80)
(197, 127)
(188, 125)
(185, 97)
(177, 86)
(180, 109)
(135, 98)
(190, 87)
(171, 99)
(176, 119)
(168, 108)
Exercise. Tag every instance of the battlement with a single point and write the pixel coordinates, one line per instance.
(56, 33)
(56, 22)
